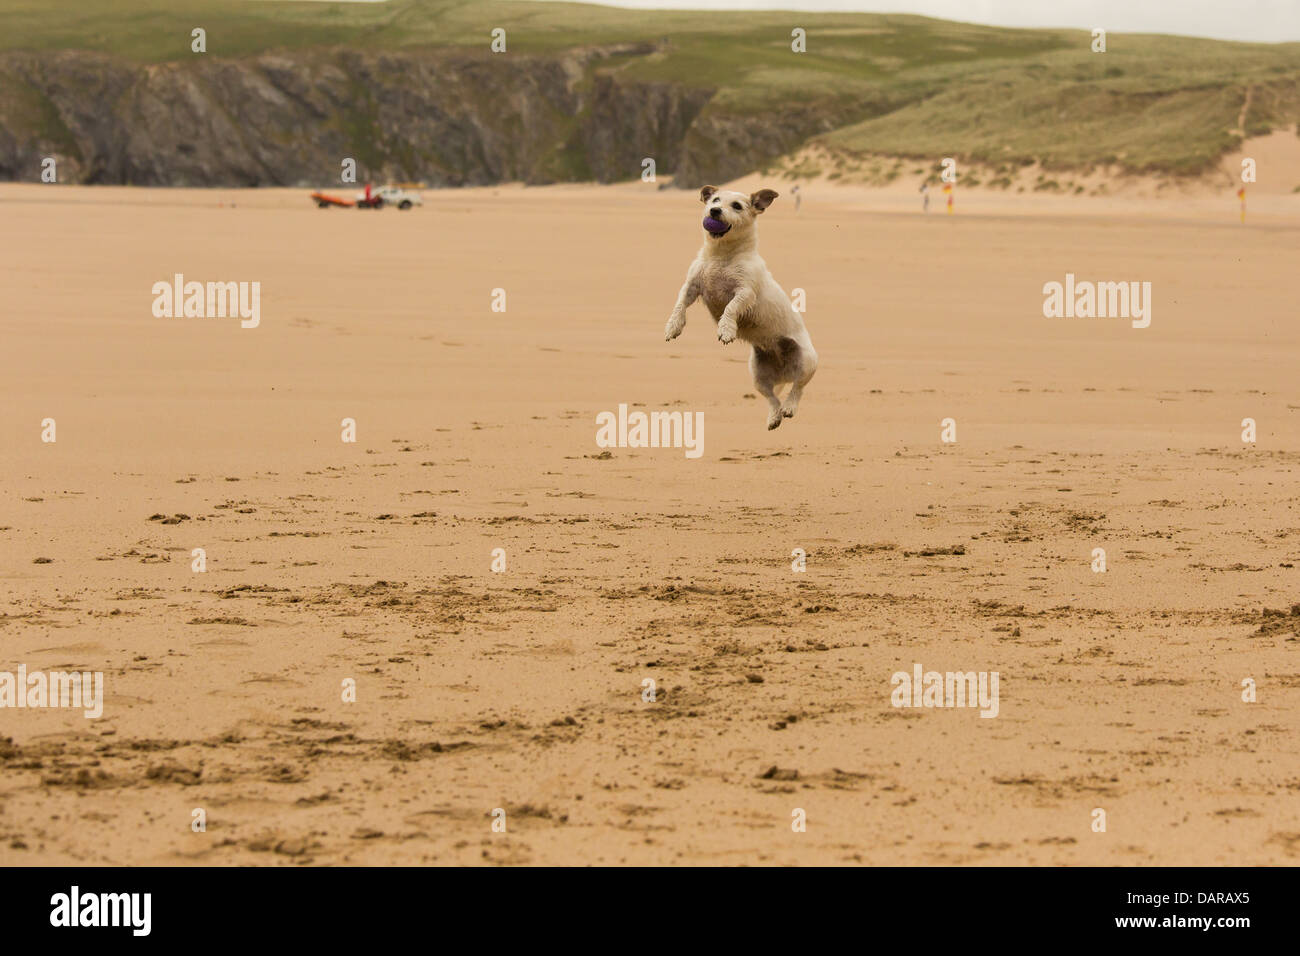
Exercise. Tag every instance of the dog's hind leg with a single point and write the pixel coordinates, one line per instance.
(766, 369)
(801, 365)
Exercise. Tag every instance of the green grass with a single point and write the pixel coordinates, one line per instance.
(888, 84)
(712, 47)
(1150, 104)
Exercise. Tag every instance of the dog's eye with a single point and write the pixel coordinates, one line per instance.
(735, 205)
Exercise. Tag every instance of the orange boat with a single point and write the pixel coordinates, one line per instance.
(325, 200)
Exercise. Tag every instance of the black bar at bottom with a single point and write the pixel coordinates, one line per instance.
(332, 905)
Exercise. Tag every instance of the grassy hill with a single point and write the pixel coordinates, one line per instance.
(882, 84)
(715, 43)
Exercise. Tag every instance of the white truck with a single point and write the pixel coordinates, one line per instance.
(388, 196)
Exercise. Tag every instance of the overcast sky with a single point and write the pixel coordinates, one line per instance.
(1264, 21)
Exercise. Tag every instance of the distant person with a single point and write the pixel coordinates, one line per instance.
(797, 198)
(925, 197)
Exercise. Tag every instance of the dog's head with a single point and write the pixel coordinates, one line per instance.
(728, 215)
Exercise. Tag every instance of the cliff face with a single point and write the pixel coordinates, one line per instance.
(448, 118)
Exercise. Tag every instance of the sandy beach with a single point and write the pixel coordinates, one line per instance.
(371, 561)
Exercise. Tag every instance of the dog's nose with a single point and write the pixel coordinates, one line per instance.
(716, 213)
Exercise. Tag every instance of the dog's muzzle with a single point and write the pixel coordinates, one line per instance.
(715, 227)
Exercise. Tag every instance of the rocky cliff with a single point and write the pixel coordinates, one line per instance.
(445, 117)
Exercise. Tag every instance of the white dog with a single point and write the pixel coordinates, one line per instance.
(745, 300)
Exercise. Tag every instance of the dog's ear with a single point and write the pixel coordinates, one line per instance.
(763, 198)
(706, 192)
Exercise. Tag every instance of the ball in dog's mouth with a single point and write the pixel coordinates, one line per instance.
(715, 227)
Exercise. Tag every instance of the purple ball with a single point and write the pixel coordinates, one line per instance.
(715, 226)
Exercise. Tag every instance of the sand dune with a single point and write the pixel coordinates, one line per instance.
(522, 690)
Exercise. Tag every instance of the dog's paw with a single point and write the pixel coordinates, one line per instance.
(674, 327)
(726, 332)
(787, 411)
(774, 419)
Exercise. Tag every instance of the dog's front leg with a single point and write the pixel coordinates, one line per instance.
(740, 303)
(690, 291)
